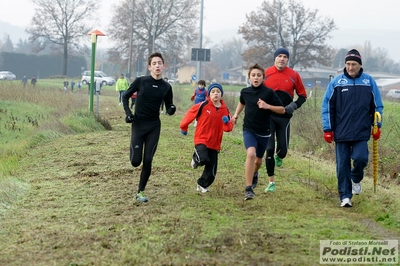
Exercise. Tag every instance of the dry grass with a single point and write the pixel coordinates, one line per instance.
(71, 203)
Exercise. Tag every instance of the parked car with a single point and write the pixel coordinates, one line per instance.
(393, 94)
(7, 75)
(99, 76)
(172, 81)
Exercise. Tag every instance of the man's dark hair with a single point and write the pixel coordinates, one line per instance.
(201, 82)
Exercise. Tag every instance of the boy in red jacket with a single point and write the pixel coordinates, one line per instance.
(213, 118)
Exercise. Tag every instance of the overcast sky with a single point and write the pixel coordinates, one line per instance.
(377, 21)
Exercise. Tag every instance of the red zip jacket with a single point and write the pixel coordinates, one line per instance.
(209, 127)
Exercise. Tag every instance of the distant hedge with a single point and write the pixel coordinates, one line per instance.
(41, 66)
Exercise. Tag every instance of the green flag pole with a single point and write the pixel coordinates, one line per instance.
(92, 66)
(94, 35)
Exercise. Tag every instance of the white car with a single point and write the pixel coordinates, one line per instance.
(7, 75)
(393, 94)
(99, 76)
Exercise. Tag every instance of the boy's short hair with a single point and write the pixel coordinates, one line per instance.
(201, 82)
(156, 54)
(256, 66)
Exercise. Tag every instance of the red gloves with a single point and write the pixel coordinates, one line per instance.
(328, 137)
(377, 134)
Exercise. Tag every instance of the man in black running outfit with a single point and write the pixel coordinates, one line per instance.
(146, 125)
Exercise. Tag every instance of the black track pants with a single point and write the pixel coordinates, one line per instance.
(144, 141)
(280, 130)
(209, 158)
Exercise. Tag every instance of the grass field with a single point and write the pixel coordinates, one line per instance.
(67, 190)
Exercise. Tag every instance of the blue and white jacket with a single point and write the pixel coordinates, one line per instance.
(349, 105)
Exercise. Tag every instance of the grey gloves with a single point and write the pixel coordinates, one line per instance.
(290, 108)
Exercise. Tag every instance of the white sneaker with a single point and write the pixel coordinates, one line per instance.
(356, 188)
(202, 189)
(346, 203)
(193, 164)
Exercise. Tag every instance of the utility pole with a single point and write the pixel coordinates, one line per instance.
(278, 25)
(155, 25)
(130, 43)
(198, 66)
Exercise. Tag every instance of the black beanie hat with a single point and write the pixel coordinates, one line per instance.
(353, 55)
(281, 51)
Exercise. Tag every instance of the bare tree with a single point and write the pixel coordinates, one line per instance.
(287, 24)
(61, 23)
(167, 26)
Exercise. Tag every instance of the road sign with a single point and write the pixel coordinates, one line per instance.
(194, 77)
(199, 54)
(309, 84)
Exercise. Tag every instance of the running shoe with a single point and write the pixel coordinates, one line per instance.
(356, 188)
(278, 161)
(271, 187)
(255, 180)
(346, 203)
(202, 189)
(141, 197)
(249, 194)
(193, 164)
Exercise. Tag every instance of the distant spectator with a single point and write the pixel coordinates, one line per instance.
(121, 86)
(24, 81)
(65, 85)
(33, 81)
(133, 99)
(200, 94)
(72, 86)
(79, 86)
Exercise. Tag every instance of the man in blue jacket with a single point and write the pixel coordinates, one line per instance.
(348, 107)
